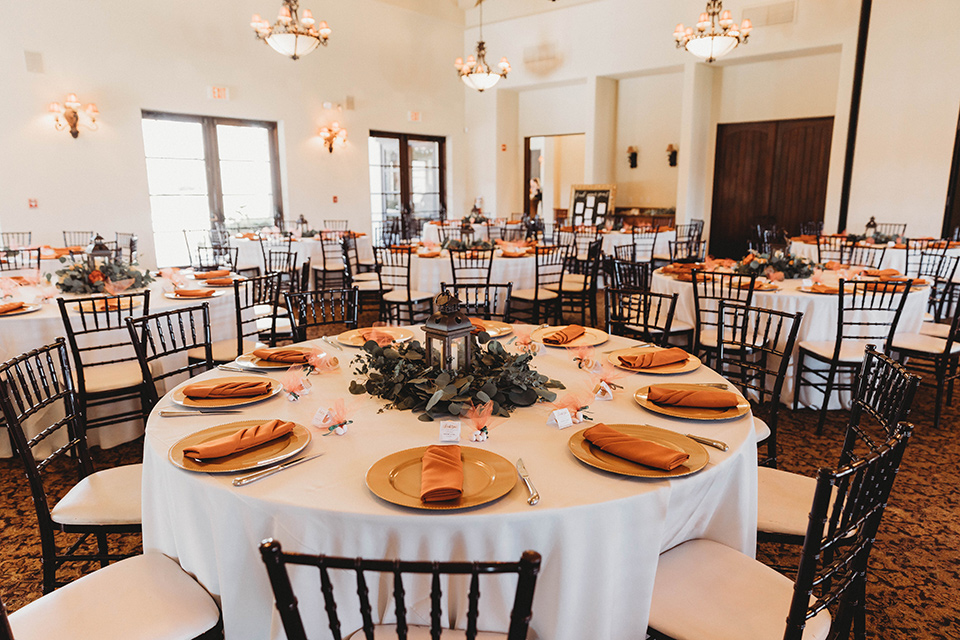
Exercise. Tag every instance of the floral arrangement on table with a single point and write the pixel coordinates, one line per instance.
(474, 217)
(876, 238)
(100, 277)
(476, 245)
(400, 375)
(775, 266)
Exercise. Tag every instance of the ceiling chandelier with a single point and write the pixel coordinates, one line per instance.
(475, 72)
(716, 34)
(292, 34)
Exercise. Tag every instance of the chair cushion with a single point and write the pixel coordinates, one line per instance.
(223, 350)
(783, 501)
(367, 285)
(401, 296)
(417, 632)
(761, 428)
(532, 294)
(922, 343)
(146, 596)
(850, 350)
(704, 589)
(334, 265)
(110, 377)
(570, 286)
(110, 496)
(936, 329)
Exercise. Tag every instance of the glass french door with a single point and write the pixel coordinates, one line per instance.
(406, 176)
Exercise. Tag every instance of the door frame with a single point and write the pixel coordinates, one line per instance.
(953, 188)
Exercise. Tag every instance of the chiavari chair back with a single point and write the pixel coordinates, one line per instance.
(471, 266)
(20, 259)
(630, 275)
(310, 309)
(542, 301)
(335, 225)
(867, 256)
(211, 258)
(15, 239)
(892, 229)
(333, 273)
(77, 238)
(484, 301)
(915, 250)
(400, 304)
(832, 248)
(640, 314)
(687, 250)
(709, 290)
(128, 246)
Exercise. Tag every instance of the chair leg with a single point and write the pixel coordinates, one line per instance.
(103, 549)
(798, 382)
(831, 376)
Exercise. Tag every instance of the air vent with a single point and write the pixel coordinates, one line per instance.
(771, 14)
(34, 61)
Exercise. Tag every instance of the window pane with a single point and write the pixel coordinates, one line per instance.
(243, 142)
(424, 153)
(239, 178)
(248, 211)
(176, 177)
(172, 139)
(422, 180)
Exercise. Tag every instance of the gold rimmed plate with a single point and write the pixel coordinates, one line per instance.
(100, 305)
(181, 398)
(486, 477)
(27, 308)
(692, 363)
(353, 337)
(597, 457)
(690, 413)
(213, 294)
(591, 337)
(250, 361)
(264, 455)
(204, 276)
(495, 328)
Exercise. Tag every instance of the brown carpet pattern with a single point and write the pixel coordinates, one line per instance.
(914, 589)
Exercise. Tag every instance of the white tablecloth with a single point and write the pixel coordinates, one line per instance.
(819, 322)
(600, 534)
(481, 231)
(250, 254)
(21, 333)
(661, 247)
(893, 258)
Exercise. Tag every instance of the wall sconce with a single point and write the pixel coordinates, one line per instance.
(333, 135)
(672, 155)
(632, 157)
(69, 115)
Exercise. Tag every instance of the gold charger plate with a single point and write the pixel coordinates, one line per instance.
(591, 337)
(180, 397)
(692, 362)
(690, 413)
(173, 296)
(597, 457)
(353, 338)
(27, 308)
(486, 477)
(127, 303)
(195, 276)
(250, 361)
(495, 328)
(262, 455)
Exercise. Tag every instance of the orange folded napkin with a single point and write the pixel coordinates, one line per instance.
(650, 359)
(194, 293)
(637, 450)
(219, 281)
(381, 337)
(705, 398)
(833, 265)
(401, 248)
(243, 439)
(428, 254)
(564, 336)
(219, 273)
(215, 389)
(287, 356)
(441, 477)
(819, 287)
(881, 273)
(478, 325)
(7, 307)
(513, 254)
(683, 276)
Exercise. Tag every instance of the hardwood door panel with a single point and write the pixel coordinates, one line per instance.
(799, 190)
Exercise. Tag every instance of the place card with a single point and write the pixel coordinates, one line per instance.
(561, 418)
(449, 431)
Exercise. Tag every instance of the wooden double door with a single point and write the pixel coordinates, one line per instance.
(771, 173)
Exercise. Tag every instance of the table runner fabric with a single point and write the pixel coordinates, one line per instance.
(600, 534)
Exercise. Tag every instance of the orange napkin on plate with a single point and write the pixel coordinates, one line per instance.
(819, 287)
(442, 475)
(219, 273)
(219, 281)
(649, 359)
(215, 389)
(194, 293)
(381, 337)
(704, 398)
(478, 325)
(243, 439)
(7, 307)
(563, 336)
(881, 273)
(637, 450)
(287, 356)
(833, 265)
(428, 254)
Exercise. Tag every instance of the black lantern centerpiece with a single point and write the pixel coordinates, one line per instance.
(450, 329)
(98, 252)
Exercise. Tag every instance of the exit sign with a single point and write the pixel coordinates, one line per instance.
(218, 93)
(413, 116)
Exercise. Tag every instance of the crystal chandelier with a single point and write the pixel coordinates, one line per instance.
(716, 34)
(292, 34)
(475, 72)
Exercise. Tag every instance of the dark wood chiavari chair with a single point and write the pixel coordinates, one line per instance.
(540, 303)
(210, 258)
(892, 229)
(709, 290)
(578, 286)
(512, 232)
(310, 309)
(943, 301)
(284, 263)
(630, 275)
(867, 313)
(867, 256)
(32, 386)
(19, 259)
(832, 249)
(400, 304)
(484, 301)
(640, 314)
(335, 225)
(128, 246)
(811, 228)
(333, 272)
(915, 250)
(15, 239)
(274, 244)
(644, 243)
(276, 561)
(687, 250)
(470, 266)
(77, 238)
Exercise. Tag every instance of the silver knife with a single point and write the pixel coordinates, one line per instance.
(239, 481)
(173, 413)
(716, 444)
(534, 494)
(226, 367)
(715, 385)
(331, 343)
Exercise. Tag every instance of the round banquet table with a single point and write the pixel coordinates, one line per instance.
(249, 253)
(21, 333)
(661, 247)
(894, 258)
(819, 323)
(426, 274)
(600, 534)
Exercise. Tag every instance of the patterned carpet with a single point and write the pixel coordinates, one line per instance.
(914, 569)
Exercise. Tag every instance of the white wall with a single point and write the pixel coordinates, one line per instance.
(161, 56)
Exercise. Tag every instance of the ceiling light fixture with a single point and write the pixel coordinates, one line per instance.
(724, 34)
(475, 72)
(292, 35)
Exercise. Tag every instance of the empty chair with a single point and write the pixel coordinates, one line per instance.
(211, 258)
(15, 239)
(868, 313)
(832, 248)
(891, 229)
(915, 251)
(162, 341)
(687, 250)
(811, 227)
(386, 233)
(942, 303)
(689, 232)
(275, 243)
(643, 242)
(333, 271)
(127, 245)
(640, 314)
(541, 303)
(360, 268)
(627, 274)
(754, 353)
(709, 290)
(454, 233)
(484, 301)
(20, 260)
(578, 286)
(705, 590)
(400, 304)
(276, 561)
(144, 597)
(470, 266)
(335, 225)
(309, 309)
(511, 232)
(38, 386)
(284, 263)
(867, 256)
(77, 238)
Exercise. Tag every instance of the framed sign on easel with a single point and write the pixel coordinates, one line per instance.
(592, 204)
